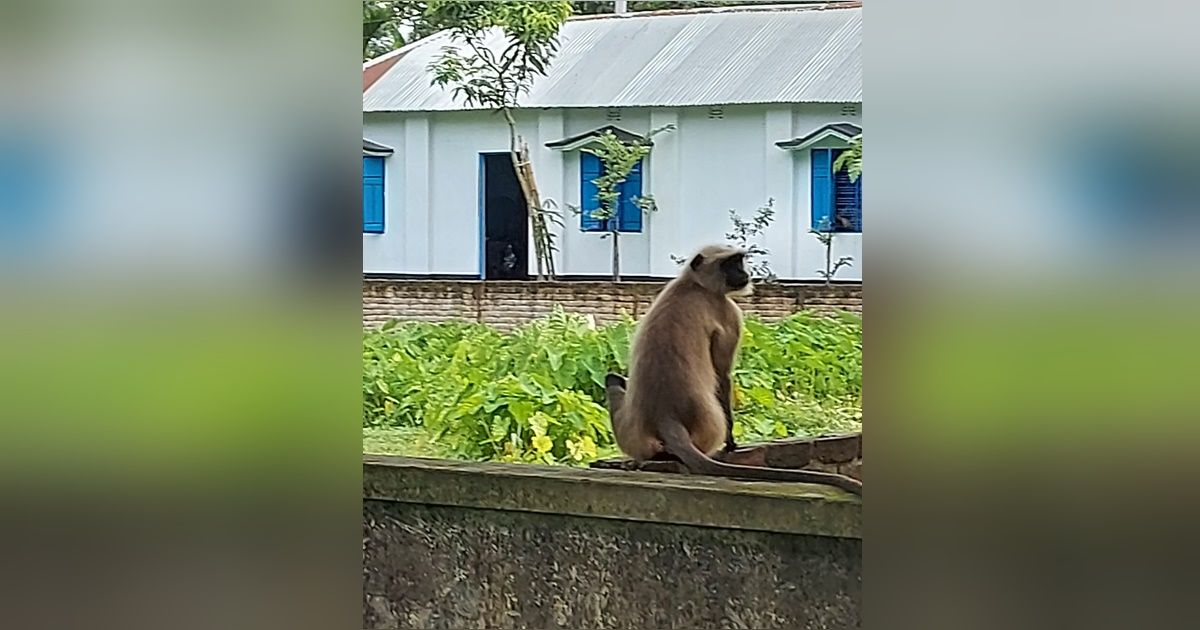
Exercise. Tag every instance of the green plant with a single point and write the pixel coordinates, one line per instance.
(824, 233)
(850, 160)
(619, 159)
(745, 234)
(536, 394)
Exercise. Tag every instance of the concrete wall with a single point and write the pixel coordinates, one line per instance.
(697, 173)
(509, 304)
(464, 545)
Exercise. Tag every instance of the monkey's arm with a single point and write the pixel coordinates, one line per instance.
(614, 391)
(722, 352)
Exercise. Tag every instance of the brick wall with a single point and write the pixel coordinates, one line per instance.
(506, 304)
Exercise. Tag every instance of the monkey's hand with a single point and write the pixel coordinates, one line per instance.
(615, 380)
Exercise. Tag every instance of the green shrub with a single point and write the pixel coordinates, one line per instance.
(537, 393)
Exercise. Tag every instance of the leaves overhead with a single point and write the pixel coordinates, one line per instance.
(495, 78)
(390, 24)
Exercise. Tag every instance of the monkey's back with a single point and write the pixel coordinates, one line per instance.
(671, 373)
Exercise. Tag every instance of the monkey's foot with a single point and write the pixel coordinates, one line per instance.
(755, 456)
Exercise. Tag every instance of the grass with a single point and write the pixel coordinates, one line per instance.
(403, 441)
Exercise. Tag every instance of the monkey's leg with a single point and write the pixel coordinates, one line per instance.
(725, 395)
(722, 349)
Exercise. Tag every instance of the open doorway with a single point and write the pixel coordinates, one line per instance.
(505, 219)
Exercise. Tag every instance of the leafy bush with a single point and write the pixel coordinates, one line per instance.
(537, 394)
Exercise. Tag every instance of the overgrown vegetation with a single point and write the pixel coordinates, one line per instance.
(536, 395)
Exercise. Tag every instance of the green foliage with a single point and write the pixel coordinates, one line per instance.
(824, 233)
(536, 394)
(745, 234)
(850, 160)
(389, 24)
(801, 375)
(619, 158)
(486, 77)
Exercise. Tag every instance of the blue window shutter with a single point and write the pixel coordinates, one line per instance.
(372, 201)
(589, 169)
(847, 202)
(630, 214)
(822, 189)
(857, 218)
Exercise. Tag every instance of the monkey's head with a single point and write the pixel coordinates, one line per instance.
(721, 269)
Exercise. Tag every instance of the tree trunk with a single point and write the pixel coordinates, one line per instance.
(523, 167)
(828, 259)
(616, 254)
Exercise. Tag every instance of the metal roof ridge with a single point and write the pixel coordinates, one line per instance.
(832, 5)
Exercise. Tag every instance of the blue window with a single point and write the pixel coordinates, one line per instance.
(372, 198)
(836, 201)
(629, 215)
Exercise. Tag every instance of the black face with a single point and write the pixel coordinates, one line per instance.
(734, 270)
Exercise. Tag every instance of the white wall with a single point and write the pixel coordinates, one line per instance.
(696, 173)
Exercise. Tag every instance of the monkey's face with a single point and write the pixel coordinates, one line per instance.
(733, 269)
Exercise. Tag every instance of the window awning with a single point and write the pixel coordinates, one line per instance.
(374, 149)
(843, 131)
(588, 137)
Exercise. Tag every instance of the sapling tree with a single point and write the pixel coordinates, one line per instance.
(618, 159)
(746, 234)
(496, 77)
(824, 233)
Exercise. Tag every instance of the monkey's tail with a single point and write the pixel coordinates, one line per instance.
(679, 443)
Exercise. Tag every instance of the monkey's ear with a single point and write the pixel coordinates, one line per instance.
(696, 262)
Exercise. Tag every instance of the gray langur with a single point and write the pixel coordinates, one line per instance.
(678, 401)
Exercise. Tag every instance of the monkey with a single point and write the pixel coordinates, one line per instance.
(678, 400)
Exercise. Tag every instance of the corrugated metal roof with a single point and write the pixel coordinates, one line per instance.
(679, 58)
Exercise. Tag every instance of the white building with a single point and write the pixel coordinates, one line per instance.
(761, 100)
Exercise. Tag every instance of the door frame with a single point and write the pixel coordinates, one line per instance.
(482, 211)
